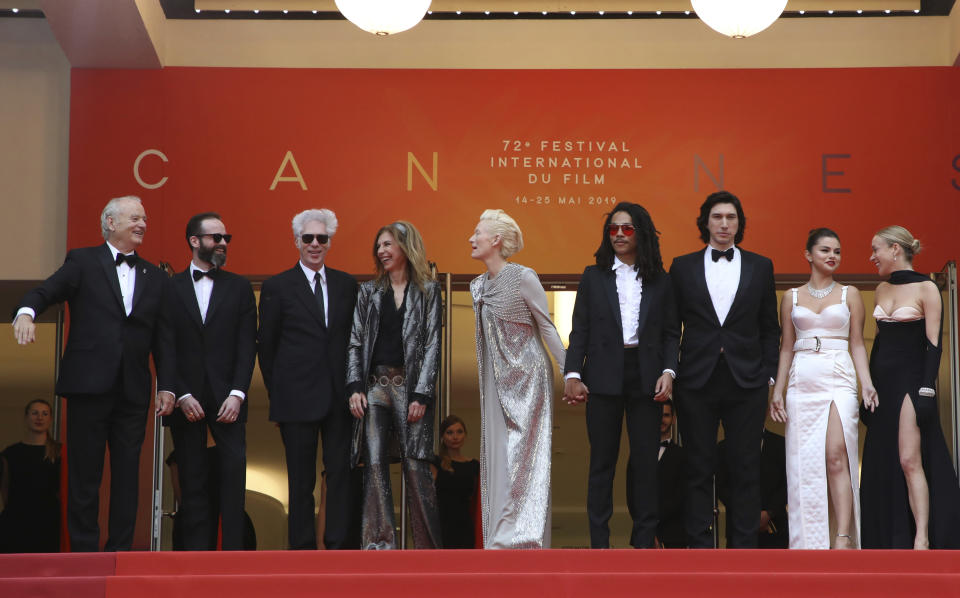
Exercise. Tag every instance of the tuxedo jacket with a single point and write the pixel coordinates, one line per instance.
(671, 488)
(216, 355)
(596, 339)
(750, 334)
(103, 340)
(303, 361)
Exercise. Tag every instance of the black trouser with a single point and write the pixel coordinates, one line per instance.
(197, 485)
(300, 444)
(94, 422)
(742, 412)
(605, 414)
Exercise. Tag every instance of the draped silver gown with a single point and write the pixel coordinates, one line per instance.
(516, 394)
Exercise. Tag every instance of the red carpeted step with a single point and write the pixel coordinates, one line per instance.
(88, 586)
(78, 564)
(556, 585)
(478, 561)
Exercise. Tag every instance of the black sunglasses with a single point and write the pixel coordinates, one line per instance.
(308, 238)
(217, 237)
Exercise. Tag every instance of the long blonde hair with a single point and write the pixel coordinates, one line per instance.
(410, 241)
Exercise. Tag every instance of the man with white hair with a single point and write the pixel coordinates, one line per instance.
(305, 319)
(114, 298)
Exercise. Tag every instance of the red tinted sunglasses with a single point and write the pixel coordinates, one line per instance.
(626, 229)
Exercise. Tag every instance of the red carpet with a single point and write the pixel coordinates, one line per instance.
(492, 574)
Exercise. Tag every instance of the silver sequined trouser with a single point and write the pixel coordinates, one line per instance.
(387, 407)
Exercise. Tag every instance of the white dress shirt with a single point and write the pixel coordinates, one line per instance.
(723, 279)
(312, 278)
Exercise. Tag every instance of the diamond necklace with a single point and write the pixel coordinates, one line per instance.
(820, 293)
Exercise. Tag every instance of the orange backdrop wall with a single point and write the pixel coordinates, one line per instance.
(853, 149)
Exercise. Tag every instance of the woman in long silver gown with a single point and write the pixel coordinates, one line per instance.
(516, 388)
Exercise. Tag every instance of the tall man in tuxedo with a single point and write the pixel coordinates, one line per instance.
(728, 356)
(114, 298)
(623, 354)
(212, 314)
(305, 319)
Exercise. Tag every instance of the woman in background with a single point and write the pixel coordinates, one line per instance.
(908, 487)
(392, 364)
(30, 484)
(822, 327)
(516, 388)
(456, 478)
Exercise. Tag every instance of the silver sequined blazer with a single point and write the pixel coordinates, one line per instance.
(421, 357)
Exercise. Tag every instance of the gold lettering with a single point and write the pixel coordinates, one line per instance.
(412, 162)
(288, 159)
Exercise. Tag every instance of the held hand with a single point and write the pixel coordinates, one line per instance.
(358, 402)
(415, 412)
(575, 391)
(664, 388)
(165, 402)
(230, 410)
(765, 521)
(778, 412)
(24, 330)
(870, 398)
(191, 409)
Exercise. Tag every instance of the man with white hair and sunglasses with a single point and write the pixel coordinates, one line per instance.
(305, 319)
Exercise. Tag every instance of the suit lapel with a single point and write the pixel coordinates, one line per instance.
(184, 286)
(700, 282)
(746, 272)
(110, 270)
(610, 290)
(305, 293)
(139, 283)
(216, 296)
(645, 300)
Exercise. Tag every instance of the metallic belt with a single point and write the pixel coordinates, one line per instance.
(397, 380)
(817, 344)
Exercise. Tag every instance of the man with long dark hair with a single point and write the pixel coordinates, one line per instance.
(623, 354)
(728, 355)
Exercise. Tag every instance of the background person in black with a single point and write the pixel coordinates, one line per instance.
(114, 299)
(457, 478)
(623, 353)
(305, 317)
(728, 357)
(671, 483)
(30, 486)
(773, 526)
(212, 316)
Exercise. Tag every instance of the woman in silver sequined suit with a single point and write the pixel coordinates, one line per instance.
(392, 365)
(516, 388)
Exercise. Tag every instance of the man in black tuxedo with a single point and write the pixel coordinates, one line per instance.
(114, 299)
(623, 354)
(728, 356)
(773, 529)
(305, 319)
(212, 314)
(672, 484)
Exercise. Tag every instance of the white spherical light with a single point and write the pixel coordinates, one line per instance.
(383, 17)
(739, 18)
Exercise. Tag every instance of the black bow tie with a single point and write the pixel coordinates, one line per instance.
(198, 274)
(664, 443)
(716, 254)
(130, 259)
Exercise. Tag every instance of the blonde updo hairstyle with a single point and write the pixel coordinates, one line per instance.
(500, 223)
(897, 235)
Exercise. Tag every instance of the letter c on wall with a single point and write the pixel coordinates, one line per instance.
(136, 169)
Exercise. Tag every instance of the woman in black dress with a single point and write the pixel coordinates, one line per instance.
(908, 489)
(30, 483)
(456, 480)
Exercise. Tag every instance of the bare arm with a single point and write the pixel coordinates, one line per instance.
(858, 350)
(778, 411)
